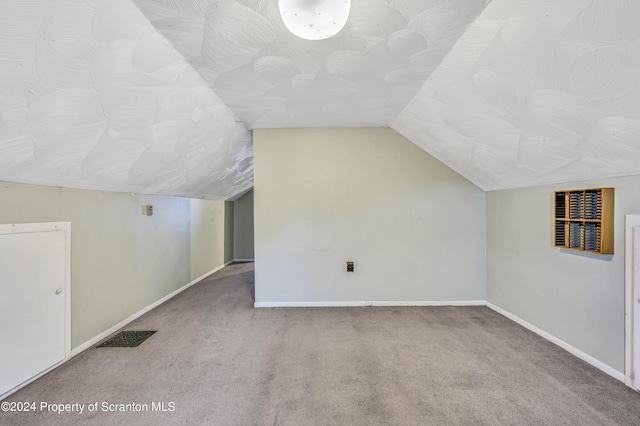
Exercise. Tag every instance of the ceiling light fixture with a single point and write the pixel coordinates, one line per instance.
(314, 19)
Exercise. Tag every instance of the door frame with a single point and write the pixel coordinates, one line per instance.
(631, 221)
(27, 228)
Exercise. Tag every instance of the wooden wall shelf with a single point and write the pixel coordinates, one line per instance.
(583, 220)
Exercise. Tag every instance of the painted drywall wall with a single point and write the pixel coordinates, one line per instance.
(243, 246)
(228, 231)
(207, 236)
(414, 228)
(576, 297)
(121, 261)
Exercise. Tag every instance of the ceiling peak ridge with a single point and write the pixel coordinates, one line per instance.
(99, 99)
(188, 64)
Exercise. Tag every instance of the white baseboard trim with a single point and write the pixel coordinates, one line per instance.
(427, 303)
(243, 260)
(89, 343)
(564, 345)
(324, 304)
(571, 349)
(305, 304)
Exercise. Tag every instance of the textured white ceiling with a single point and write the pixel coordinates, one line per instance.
(536, 91)
(158, 98)
(364, 76)
(92, 96)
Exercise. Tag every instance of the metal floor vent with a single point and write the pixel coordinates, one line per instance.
(126, 339)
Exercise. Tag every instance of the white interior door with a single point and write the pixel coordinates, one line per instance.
(632, 301)
(33, 303)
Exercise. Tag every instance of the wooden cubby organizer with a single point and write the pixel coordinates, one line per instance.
(583, 220)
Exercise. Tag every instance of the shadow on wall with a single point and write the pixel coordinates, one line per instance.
(605, 257)
(243, 245)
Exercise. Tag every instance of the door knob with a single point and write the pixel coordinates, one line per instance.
(58, 291)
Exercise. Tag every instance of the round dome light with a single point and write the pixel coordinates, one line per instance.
(314, 19)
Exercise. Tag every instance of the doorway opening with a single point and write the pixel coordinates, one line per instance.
(632, 301)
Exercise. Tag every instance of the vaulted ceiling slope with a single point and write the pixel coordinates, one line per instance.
(92, 96)
(363, 76)
(535, 92)
(156, 96)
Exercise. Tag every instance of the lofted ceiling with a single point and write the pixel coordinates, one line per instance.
(93, 97)
(535, 92)
(363, 76)
(160, 96)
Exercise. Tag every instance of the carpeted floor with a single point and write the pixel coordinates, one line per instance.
(217, 360)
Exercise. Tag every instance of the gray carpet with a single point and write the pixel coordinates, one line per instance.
(217, 360)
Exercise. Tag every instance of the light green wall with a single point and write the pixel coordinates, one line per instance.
(415, 228)
(207, 236)
(121, 260)
(228, 231)
(576, 297)
(243, 227)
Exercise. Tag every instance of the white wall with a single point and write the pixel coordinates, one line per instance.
(121, 261)
(415, 228)
(207, 236)
(576, 297)
(243, 247)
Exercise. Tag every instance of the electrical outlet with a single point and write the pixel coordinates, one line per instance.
(349, 266)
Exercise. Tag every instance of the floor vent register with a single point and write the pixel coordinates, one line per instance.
(126, 339)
